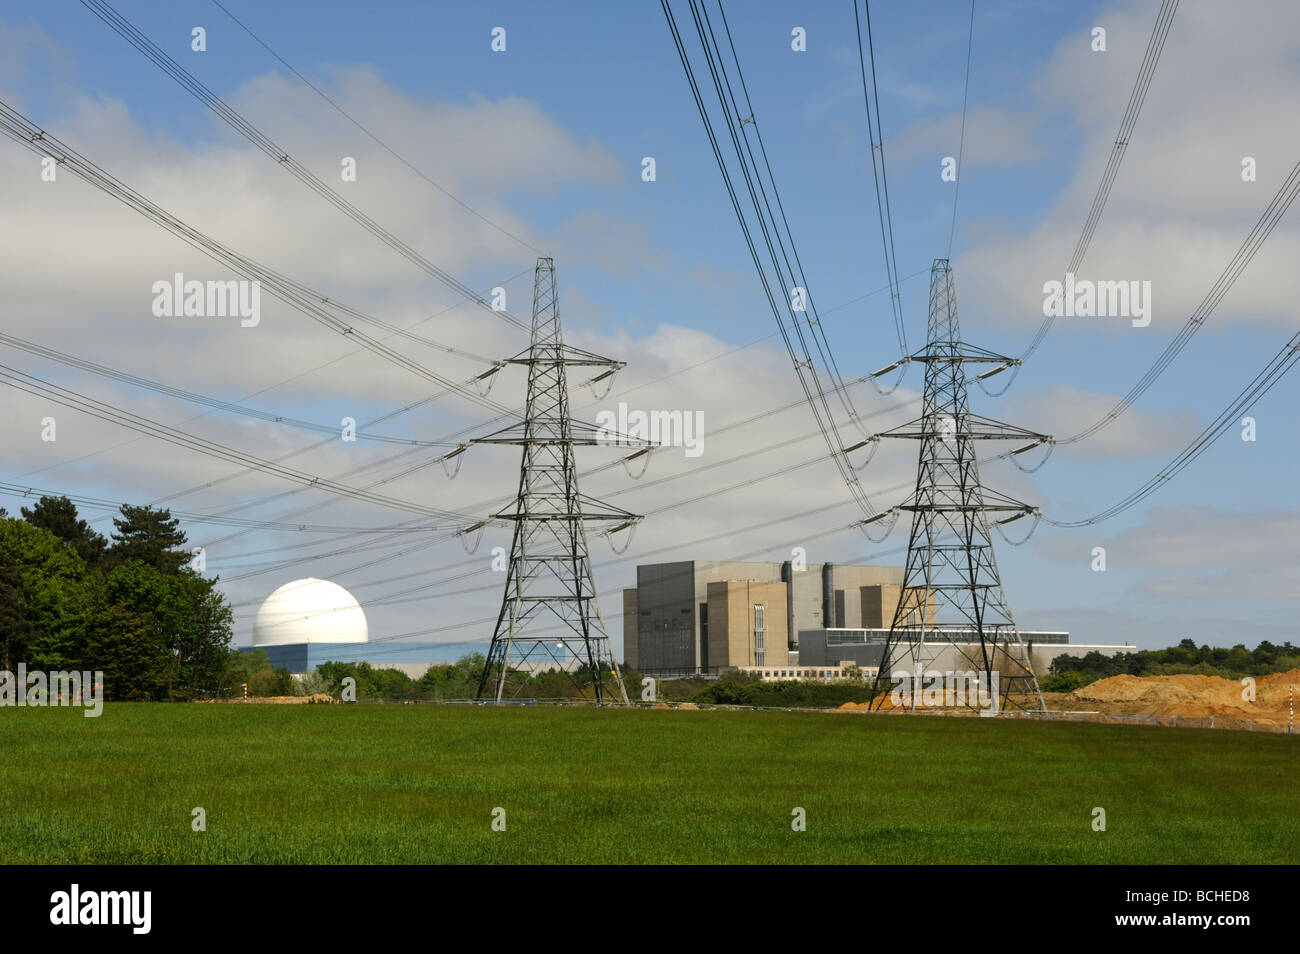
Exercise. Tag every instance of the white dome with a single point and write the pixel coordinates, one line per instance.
(309, 611)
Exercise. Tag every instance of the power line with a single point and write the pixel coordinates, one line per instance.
(1146, 72)
(123, 28)
(22, 130)
(1260, 385)
(1263, 228)
(497, 501)
(387, 148)
(961, 143)
(378, 420)
(802, 360)
(875, 138)
(69, 398)
(811, 317)
(195, 398)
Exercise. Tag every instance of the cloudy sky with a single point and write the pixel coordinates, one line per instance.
(538, 150)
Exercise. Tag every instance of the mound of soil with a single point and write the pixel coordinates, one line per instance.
(1191, 697)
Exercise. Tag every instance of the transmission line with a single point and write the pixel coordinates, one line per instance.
(961, 142)
(875, 138)
(22, 130)
(383, 145)
(202, 399)
(1146, 71)
(69, 398)
(128, 32)
(1263, 228)
(802, 360)
(1261, 384)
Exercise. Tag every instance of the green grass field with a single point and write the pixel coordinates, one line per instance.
(418, 784)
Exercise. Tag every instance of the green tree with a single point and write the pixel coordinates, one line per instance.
(59, 516)
(15, 628)
(189, 622)
(128, 648)
(271, 682)
(151, 536)
(55, 597)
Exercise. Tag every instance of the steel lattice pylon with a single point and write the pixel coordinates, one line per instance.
(952, 601)
(549, 578)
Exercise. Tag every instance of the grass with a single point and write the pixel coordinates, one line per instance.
(418, 784)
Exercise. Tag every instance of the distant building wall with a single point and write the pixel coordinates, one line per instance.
(879, 603)
(846, 584)
(865, 648)
(665, 623)
(816, 650)
(715, 571)
(629, 628)
(734, 634)
(674, 628)
(805, 602)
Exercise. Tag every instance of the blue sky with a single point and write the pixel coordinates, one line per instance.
(549, 136)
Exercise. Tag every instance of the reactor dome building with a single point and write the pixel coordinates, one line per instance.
(307, 619)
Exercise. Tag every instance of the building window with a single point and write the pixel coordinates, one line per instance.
(760, 636)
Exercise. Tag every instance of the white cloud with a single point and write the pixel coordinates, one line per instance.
(1179, 208)
(1064, 411)
(992, 135)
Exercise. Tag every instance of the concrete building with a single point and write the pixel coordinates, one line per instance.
(838, 648)
(747, 623)
(699, 617)
(671, 627)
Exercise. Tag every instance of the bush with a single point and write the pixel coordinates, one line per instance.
(1067, 681)
(310, 684)
(271, 682)
(748, 689)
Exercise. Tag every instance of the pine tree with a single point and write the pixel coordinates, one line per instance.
(151, 536)
(59, 516)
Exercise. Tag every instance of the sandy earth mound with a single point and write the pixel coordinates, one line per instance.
(1191, 697)
(1171, 697)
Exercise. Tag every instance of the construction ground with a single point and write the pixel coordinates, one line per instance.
(1186, 700)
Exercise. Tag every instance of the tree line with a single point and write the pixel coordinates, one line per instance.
(1072, 672)
(129, 605)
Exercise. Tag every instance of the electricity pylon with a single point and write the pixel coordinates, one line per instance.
(549, 578)
(952, 604)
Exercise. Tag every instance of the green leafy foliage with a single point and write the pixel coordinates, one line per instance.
(748, 689)
(1186, 657)
(157, 629)
(271, 682)
(55, 594)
